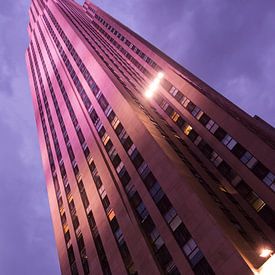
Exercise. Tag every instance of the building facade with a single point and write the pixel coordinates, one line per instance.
(148, 169)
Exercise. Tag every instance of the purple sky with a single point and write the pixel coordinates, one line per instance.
(228, 44)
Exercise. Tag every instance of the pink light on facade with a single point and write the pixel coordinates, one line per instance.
(154, 85)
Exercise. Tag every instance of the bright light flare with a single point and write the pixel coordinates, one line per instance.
(154, 85)
(266, 252)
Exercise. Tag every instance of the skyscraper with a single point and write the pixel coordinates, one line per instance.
(148, 169)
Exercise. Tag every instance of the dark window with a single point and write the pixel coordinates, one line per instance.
(111, 116)
(67, 236)
(224, 168)
(71, 254)
(190, 107)
(93, 116)
(180, 122)
(80, 136)
(205, 149)
(179, 96)
(169, 110)
(260, 170)
(204, 119)
(80, 242)
(91, 219)
(119, 128)
(163, 256)
(116, 160)
(105, 202)
(101, 131)
(268, 215)
(243, 189)
(182, 235)
(109, 145)
(220, 133)
(164, 205)
(124, 176)
(238, 150)
(192, 135)
(203, 268)
(137, 158)
(127, 143)
(103, 102)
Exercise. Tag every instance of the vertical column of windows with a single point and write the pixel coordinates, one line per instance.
(162, 254)
(96, 237)
(63, 218)
(119, 237)
(70, 200)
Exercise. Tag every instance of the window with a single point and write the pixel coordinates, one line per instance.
(231, 144)
(195, 111)
(187, 129)
(137, 158)
(190, 107)
(142, 211)
(269, 179)
(260, 170)
(193, 135)
(220, 133)
(163, 256)
(246, 157)
(181, 233)
(205, 119)
(164, 205)
(213, 128)
(180, 122)
(238, 150)
(251, 163)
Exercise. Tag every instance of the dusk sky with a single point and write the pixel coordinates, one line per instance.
(228, 44)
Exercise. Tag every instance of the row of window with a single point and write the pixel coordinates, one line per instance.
(250, 196)
(159, 197)
(66, 232)
(124, 52)
(190, 79)
(119, 62)
(236, 148)
(257, 167)
(105, 201)
(96, 237)
(254, 200)
(161, 252)
(139, 52)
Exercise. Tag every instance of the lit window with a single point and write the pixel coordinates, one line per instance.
(187, 130)
(175, 116)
